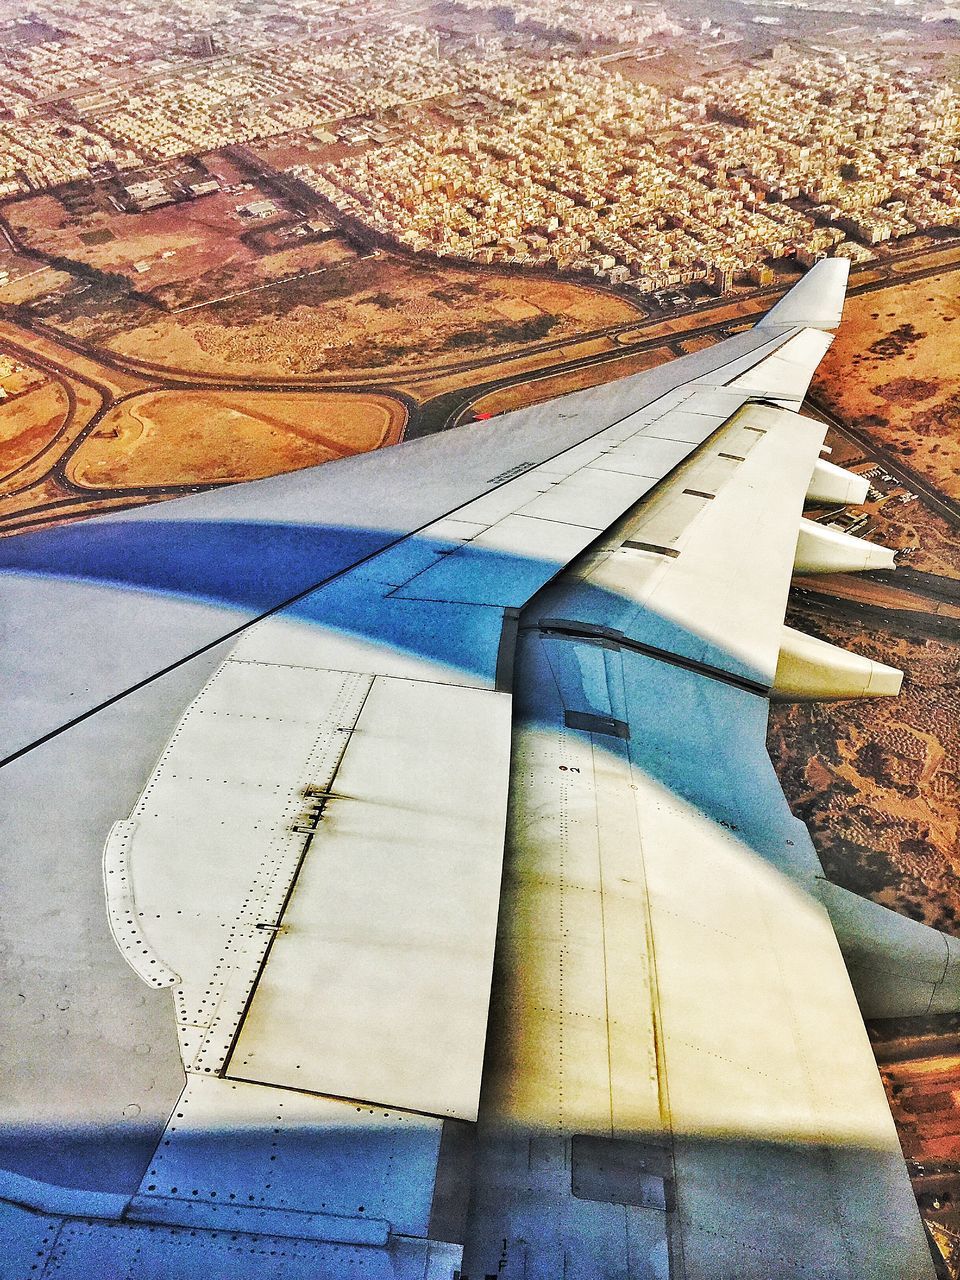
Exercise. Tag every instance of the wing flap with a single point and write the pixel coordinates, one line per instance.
(377, 984)
(300, 789)
(672, 988)
(702, 568)
(323, 1161)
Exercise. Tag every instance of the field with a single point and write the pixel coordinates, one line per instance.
(28, 281)
(28, 423)
(380, 315)
(892, 373)
(182, 254)
(176, 438)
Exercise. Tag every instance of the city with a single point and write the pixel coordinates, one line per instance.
(522, 146)
(240, 238)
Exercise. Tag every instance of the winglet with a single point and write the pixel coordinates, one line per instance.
(815, 302)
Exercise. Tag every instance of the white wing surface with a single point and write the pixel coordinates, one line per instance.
(397, 882)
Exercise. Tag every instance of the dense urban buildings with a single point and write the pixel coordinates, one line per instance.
(526, 135)
(584, 169)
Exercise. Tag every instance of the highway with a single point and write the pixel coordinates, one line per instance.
(453, 408)
(915, 619)
(58, 451)
(424, 415)
(938, 501)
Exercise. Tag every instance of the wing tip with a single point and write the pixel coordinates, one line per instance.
(815, 301)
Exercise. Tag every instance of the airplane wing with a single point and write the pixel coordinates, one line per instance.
(397, 884)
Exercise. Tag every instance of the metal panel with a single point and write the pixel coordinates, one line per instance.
(84, 1037)
(644, 455)
(621, 1171)
(291, 1152)
(686, 424)
(285, 1223)
(573, 1043)
(378, 983)
(212, 845)
(786, 374)
(391, 636)
(505, 565)
(716, 402)
(137, 1252)
(26, 1238)
(500, 502)
(591, 497)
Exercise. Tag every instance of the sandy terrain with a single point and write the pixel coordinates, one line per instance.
(199, 237)
(892, 373)
(878, 781)
(33, 282)
(180, 254)
(28, 422)
(174, 438)
(378, 315)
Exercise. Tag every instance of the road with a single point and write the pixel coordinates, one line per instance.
(938, 501)
(913, 623)
(885, 591)
(50, 464)
(39, 344)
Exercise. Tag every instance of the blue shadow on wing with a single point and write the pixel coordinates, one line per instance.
(682, 726)
(395, 600)
(243, 565)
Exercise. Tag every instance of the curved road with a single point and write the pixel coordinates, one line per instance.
(438, 413)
